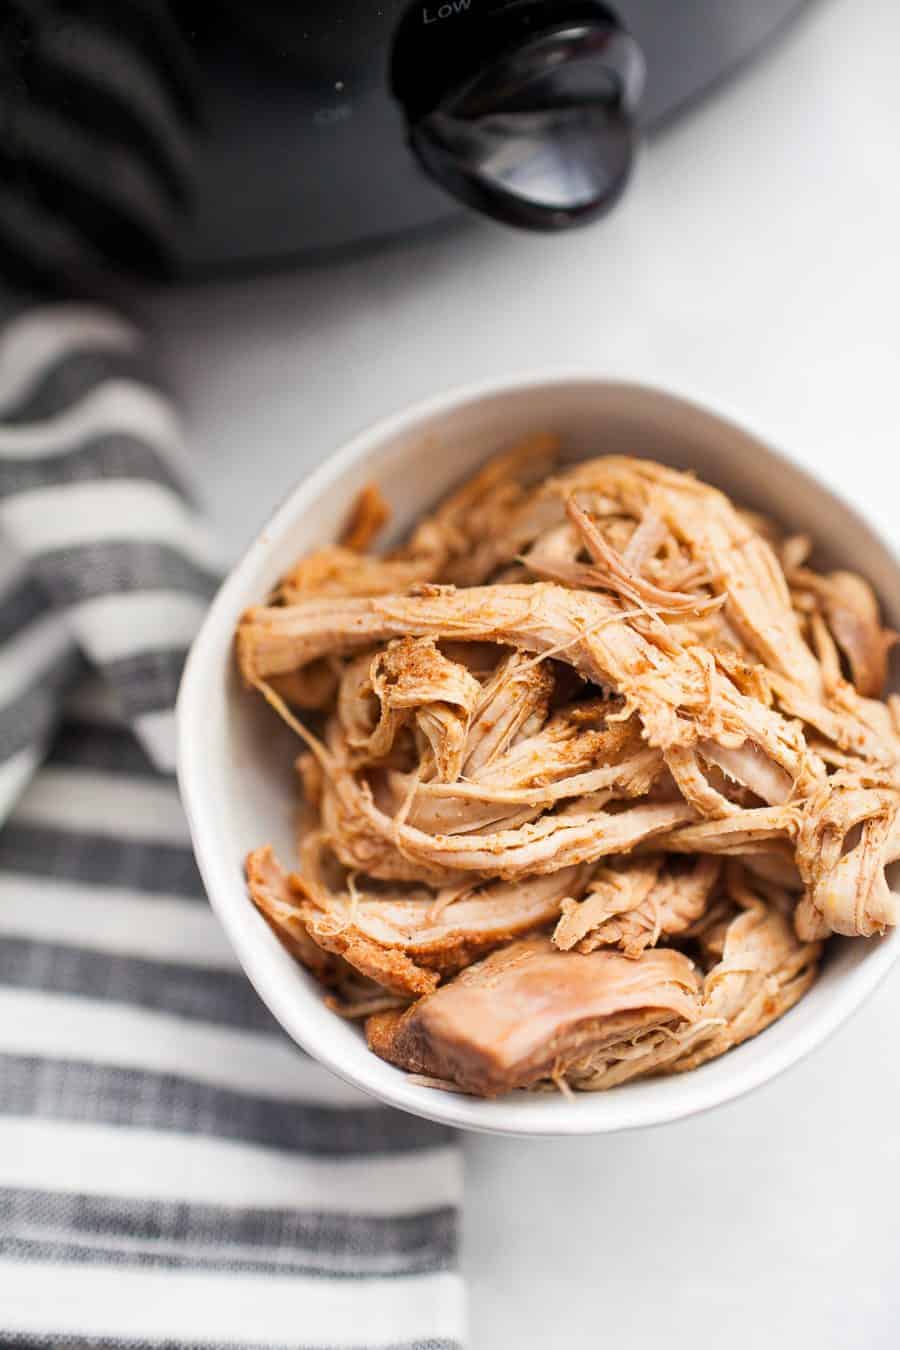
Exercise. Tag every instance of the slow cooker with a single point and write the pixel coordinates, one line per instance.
(188, 137)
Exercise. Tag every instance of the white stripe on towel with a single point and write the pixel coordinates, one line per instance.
(69, 514)
(36, 341)
(15, 773)
(30, 654)
(113, 919)
(157, 732)
(117, 1160)
(120, 1303)
(113, 408)
(65, 1026)
(112, 804)
(124, 623)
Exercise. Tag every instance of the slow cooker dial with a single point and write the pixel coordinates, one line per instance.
(524, 111)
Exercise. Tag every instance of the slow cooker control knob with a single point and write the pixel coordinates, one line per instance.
(542, 133)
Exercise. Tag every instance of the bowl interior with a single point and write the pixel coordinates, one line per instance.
(235, 759)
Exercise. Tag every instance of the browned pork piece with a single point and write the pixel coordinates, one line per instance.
(271, 892)
(579, 750)
(525, 1012)
(410, 682)
(850, 610)
(408, 942)
(762, 970)
(636, 904)
(847, 890)
(712, 535)
(454, 544)
(681, 696)
(585, 719)
(403, 941)
(367, 839)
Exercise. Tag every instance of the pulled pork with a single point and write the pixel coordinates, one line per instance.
(593, 765)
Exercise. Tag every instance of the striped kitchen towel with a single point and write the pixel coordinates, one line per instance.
(173, 1172)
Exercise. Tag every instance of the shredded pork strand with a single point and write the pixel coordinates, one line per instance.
(594, 763)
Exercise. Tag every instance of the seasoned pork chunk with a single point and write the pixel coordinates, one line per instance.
(525, 1012)
(636, 905)
(271, 892)
(406, 943)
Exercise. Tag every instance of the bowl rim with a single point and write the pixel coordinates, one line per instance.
(203, 664)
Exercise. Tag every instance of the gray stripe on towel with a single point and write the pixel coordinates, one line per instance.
(224, 997)
(119, 566)
(108, 749)
(99, 1093)
(147, 681)
(339, 1235)
(30, 717)
(73, 376)
(149, 866)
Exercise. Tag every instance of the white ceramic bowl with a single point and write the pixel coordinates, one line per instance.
(235, 758)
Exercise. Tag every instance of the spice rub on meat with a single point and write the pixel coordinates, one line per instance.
(529, 1010)
(592, 765)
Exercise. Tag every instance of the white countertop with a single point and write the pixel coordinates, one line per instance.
(755, 262)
